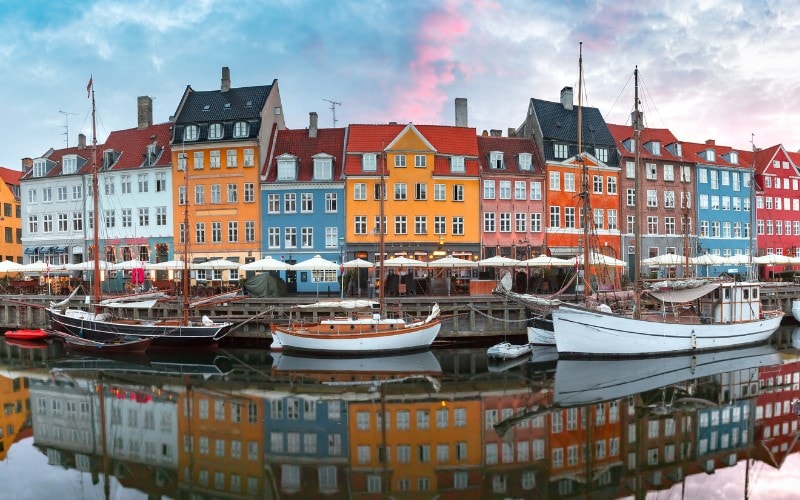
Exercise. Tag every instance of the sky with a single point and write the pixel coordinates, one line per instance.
(709, 69)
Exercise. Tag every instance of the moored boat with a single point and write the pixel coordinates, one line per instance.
(507, 350)
(27, 334)
(122, 344)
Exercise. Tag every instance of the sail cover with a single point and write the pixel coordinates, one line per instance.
(683, 294)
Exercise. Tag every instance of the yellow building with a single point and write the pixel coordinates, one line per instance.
(219, 142)
(16, 411)
(11, 216)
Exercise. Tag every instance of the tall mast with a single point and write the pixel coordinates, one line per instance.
(185, 278)
(685, 225)
(381, 243)
(584, 177)
(95, 205)
(637, 219)
(752, 275)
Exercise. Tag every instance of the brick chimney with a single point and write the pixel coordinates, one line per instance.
(512, 132)
(81, 141)
(711, 142)
(312, 124)
(144, 107)
(27, 164)
(496, 133)
(462, 119)
(226, 79)
(566, 97)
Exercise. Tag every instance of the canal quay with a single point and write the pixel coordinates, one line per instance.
(465, 316)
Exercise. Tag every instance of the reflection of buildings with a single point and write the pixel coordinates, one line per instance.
(776, 426)
(16, 416)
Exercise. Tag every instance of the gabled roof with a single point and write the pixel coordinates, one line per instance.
(623, 133)
(209, 105)
(132, 144)
(764, 158)
(511, 147)
(297, 143)
(561, 124)
(56, 155)
(692, 153)
(9, 176)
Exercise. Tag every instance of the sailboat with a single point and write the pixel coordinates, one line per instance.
(361, 333)
(711, 315)
(97, 325)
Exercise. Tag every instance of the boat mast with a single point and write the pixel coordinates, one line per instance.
(185, 278)
(95, 206)
(686, 218)
(584, 178)
(381, 243)
(752, 275)
(637, 219)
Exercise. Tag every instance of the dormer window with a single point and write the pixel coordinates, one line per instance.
(733, 157)
(70, 165)
(655, 148)
(39, 168)
(601, 154)
(108, 158)
(496, 160)
(457, 164)
(151, 155)
(629, 145)
(190, 132)
(323, 167)
(525, 161)
(215, 131)
(560, 150)
(369, 162)
(227, 105)
(241, 129)
(709, 155)
(287, 167)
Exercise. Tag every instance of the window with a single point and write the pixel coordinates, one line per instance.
(231, 160)
(458, 192)
(331, 203)
(669, 173)
(144, 217)
(597, 183)
(601, 154)
(555, 216)
(213, 159)
(190, 132)
(488, 189)
(505, 190)
(400, 191)
(560, 151)
(652, 198)
(249, 156)
(456, 164)
(536, 190)
(369, 162)
(216, 194)
(359, 191)
(199, 157)
(241, 129)
(286, 169)
(555, 181)
(233, 193)
(306, 203)
(215, 131)
(290, 203)
(400, 161)
(651, 171)
(525, 161)
(496, 160)
(520, 190)
(144, 183)
(630, 170)
(630, 197)
(458, 226)
(569, 182)
(611, 185)
(420, 161)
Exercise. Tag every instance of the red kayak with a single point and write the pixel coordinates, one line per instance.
(29, 334)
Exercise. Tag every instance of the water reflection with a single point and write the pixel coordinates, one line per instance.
(238, 423)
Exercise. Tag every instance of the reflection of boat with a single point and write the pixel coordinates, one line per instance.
(27, 344)
(796, 310)
(580, 382)
(135, 345)
(203, 362)
(351, 369)
(500, 365)
(507, 350)
(796, 338)
(27, 334)
(542, 355)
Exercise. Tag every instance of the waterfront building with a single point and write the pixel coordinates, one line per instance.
(512, 201)
(666, 209)
(16, 403)
(777, 206)
(219, 143)
(432, 190)
(135, 199)
(723, 201)
(554, 127)
(776, 413)
(302, 193)
(11, 217)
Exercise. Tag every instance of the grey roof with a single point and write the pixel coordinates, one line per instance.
(245, 103)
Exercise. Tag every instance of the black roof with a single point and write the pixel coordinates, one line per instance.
(561, 125)
(209, 105)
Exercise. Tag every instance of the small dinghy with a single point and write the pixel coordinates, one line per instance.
(507, 350)
(27, 334)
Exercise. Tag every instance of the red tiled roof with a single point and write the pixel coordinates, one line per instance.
(511, 148)
(622, 133)
(133, 142)
(764, 158)
(57, 155)
(9, 176)
(692, 150)
(299, 144)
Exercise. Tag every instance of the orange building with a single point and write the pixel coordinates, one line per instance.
(219, 141)
(16, 405)
(11, 217)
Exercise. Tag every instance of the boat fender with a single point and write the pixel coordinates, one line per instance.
(604, 308)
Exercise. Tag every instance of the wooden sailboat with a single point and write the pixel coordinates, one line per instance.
(103, 326)
(713, 315)
(361, 333)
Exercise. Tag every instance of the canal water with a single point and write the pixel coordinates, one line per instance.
(235, 423)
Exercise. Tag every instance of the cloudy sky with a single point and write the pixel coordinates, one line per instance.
(708, 69)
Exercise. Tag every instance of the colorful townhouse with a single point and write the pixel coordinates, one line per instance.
(776, 417)
(16, 403)
(306, 445)
(11, 217)
(219, 144)
(431, 196)
(302, 192)
(723, 201)
(135, 199)
(777, 206)
(666, 207)
(512, 200)
(575, 177)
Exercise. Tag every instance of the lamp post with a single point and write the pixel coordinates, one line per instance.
(342, 254)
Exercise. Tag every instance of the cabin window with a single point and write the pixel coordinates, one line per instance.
(746, 293)
(726, 294)
(754, 293)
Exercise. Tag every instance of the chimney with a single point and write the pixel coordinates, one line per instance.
(566, 97)
(81, 141)
(226, 79)
(637, 120)
(461, 112)
(496, 133)
(144, 106)
(710, 142)
(485, 134)
(312, 124)
(27, 164)
(512, 132)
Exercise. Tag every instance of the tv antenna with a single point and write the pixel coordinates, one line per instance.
(66, 125)
(333, 109)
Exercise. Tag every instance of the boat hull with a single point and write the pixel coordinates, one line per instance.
(796, 310)
(587, 333)
(540, 336)
(162, 335)
(361, 338)
(506, 350)
(27, 334)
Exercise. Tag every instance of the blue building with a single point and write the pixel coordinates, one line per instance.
(302, 193)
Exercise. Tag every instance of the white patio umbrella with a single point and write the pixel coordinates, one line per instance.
(598, 259)
(738, 260)
(402, 262)
(451, 262)
(127, 265)
(546, 261)
(665, 259)
(499, 261)
(266, 264)
(8, 266)
(774, 259)
(87, 266)
(170, 265)
(216, 264)
(358, 264)
(316, 263)
(40, 267)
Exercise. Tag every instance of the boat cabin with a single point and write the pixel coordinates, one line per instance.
(732, 302)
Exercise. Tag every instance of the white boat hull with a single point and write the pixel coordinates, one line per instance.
(401, 339)
(796, 310)
(506, 350)
(540, 336)
(585, 332)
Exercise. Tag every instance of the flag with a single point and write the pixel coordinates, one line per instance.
(89, 88)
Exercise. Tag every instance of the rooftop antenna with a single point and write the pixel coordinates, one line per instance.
(66, 125)
(333, 109)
